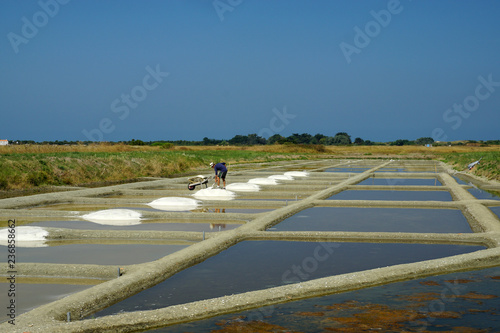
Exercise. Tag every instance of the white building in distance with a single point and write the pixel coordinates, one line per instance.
(4, 142)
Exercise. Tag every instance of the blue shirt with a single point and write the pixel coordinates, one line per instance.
(220, 167)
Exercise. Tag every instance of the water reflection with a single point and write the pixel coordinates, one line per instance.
(352, 170)
(392, 195)
(401, 181)
(376, 220)
(458, 302)
(255, 265)
(99, 254)
(482, 194)
(32, 295)
(158, 225)
(233, 210)
(495, 210)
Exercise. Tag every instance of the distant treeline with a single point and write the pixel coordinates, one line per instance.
(339, 139)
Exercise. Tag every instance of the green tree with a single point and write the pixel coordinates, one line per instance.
(341, 139)
(135, 142)
(303, 138)
(239, 140)
(359, 141)
(424, 141)
(276, 138)
(401, 142)
(254, 139)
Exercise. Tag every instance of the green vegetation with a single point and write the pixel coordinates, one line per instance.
(489, 167)
(339, 139)
(27, 170)
(34, 167)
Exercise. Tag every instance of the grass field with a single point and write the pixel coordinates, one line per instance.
(34, 166)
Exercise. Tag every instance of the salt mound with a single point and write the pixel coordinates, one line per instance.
(25, 236)
(263, 181)
(297, 173)
(114, 217)
(173, 204)
(243, 187)
(214, 194)
(281, 177)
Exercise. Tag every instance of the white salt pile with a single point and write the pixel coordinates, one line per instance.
(243, 187)
(263, 181)
(175, 204)
(24, 236)
(114, 217)
(214, 194)
(297, 173)
(281, 177)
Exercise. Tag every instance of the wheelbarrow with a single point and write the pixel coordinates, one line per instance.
(197, 180)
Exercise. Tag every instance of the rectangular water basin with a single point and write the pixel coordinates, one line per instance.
(495, 210)
(392, 195)
(376, 220)
(255, 265)
(221, 209)
(158, 225)
(347, 170)
(98, 254)
(466, 300)
(31, 295)
(407, 169)
(482, 194)
(401, 181)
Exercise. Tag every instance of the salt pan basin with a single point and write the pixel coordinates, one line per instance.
(297, 173)
(25, 236)
(243, 187)
(214, 194)
(263, 181)
(175, 204)
(30, 296)
(255, 265)
(281, 177)
(114, 217)
(398, 300)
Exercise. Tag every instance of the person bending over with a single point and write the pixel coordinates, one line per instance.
(220, 173)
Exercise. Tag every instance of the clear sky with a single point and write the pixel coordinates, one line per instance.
(187, 69)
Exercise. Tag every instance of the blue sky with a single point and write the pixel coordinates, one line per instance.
(183, 70)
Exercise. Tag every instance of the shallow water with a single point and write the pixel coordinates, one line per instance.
(401, 181)
(459, 181)
(92, 207)
(429, 169)
(254, 265)
(158, 225)
(392, 195)
(29, 295)
(376, 220)
(99, 254)
(352, 170)
(465, 302)
(495, 210)
(481, 194)
(222, 209)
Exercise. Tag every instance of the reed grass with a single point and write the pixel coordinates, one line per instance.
(32, 166)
